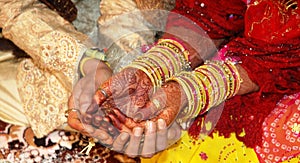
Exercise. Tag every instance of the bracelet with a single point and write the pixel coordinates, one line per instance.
(174, 45)
(164, 60)
(205, 87)
(179, 49)
(92, 53)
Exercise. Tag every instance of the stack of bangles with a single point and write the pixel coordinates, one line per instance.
(92, 53)
(205, 87)
(167, 58)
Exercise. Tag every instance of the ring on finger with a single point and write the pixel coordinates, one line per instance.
(68, 111)
(103, 92)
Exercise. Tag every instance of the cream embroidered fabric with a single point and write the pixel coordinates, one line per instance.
(45, 81)
(52, 42)
(11, 109)
(44, 98)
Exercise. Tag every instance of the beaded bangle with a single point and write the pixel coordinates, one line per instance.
(207, 86)
(237, 77)
(167, 58)
(179, 49)
(172, 44)
(217, 87)
(168, 55)
(92, 53)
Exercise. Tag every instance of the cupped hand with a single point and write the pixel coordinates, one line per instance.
(129, 90)
(146, 142)
(164, 104)
(96, 73)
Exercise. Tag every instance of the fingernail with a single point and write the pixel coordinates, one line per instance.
(150, 126)
(124, 136)
(161, 124)
(137, 131)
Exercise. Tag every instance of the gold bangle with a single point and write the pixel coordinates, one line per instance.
(82, 62)
(92, 53)
(236, 73)
(162, 65)
(145, 69)
(171, 58)
(178, 45)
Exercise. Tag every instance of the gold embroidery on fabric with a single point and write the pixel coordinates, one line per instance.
(46, 80)
(52, 42)
(44, 98)
(59, 53)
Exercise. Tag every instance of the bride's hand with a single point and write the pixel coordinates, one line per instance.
(165, 103)
(129, 89)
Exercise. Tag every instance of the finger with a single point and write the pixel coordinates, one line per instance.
(104, 91)
(121, 116)
(113, 131)
(162, 135)
(92, 108)
(77, 92)
(115, 121)
(103, 136)
(126, 121)
(121, 141)
(150, 140)
(124, 105)
(174, 133)
(97, 119)
(153, 107)
(75, 122)
(86, 97)
(168, 115)
(123, 83)
(132, 149)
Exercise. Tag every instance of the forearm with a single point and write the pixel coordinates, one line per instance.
(209, 85)
(52, 42)
(247, 85)
(199, 45)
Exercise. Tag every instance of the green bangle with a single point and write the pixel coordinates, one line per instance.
(96, 54)
(92, 53)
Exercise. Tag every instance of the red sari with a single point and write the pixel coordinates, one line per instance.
(269, 50)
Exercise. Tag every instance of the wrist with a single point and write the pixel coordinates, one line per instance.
(92, 64)
(167, 58)
(247, 85)
(91, 60)
(207, 86)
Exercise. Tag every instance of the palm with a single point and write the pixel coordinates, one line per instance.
(168, 97)
(128, 90)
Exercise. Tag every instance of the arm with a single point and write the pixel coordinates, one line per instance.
(55, 48)
(157, 136)
(46, 37)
